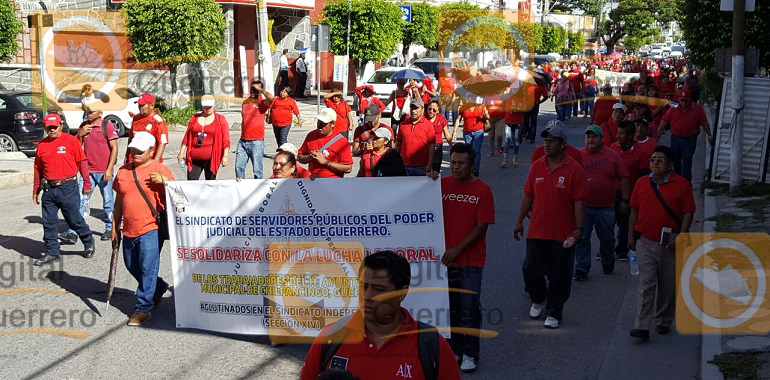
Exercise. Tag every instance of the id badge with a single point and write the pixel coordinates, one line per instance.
(201, 137)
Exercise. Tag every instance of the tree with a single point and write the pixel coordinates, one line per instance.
(172, 32)
(591, 7)
(635, 18)
(10, 28)
(376, 29)
(633, 44)
(422, 29)
(576, 43)
(552, 40)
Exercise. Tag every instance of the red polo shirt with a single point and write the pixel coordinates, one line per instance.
(253, 116)
(610, 129)
(414, 139)
(603, 169)
(397, 358)
(342, 109)
(635, 160)
(338, 152)
(571, 151)
(467, 205)
(603, 109)
(282, 110)
(686, 122)
(438, 126)
(554, 193)
(648, 145)
(652, 217)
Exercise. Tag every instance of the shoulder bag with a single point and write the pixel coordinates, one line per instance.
(665, 205)
(160, 217)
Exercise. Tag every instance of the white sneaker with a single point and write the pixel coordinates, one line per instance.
(468, 364)
(551, 323)
(536, 309)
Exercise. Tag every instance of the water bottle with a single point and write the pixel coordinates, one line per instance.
(569, 242)
(84, 205)
(183, 166)
(634, 264)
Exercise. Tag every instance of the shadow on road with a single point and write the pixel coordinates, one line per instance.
(88, 289)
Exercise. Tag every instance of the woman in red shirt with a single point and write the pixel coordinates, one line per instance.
(591, 90)
(398, 98)
(447, 98)
(206, 143)
(281, 115)
(441, 126)
(473, 117)
(285, 166)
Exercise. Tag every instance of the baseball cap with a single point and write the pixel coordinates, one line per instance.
(142, 141)
(595, 129)
(607, 86)
(641, 120)
(327, 115)
(288, 147)
(146, 99)
(383, 133)
(686, 94)
(370, 88)
(619, 106)
(370, 113)
(52, 119)
(207, 101)
(417, 102)
(555, 128)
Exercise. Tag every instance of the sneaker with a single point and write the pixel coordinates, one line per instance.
(138, 319)
(505, 163)
(468, 364)
(536, 310)
(68, 238)
(641, 334)
(598, 257)
(580, 276)
(491, 153)
(551, 323)
(623, 256)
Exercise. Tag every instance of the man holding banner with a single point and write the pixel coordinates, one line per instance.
(327, 153)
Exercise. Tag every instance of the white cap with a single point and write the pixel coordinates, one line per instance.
(327, 115)
(288, 147)
(207, 101)
(383, 133)
(619, 106)
(142, 141)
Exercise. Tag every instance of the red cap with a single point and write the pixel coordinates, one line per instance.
(685, 94)
(52, 119)
(146, 99)
(370, 88)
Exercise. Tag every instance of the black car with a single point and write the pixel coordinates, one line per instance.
(21, 120)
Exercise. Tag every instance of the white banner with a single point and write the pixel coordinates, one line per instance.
(296, 245)
(340, 68)
(615, 79)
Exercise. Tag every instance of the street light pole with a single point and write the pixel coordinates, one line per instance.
(739, 48)
(347, 58)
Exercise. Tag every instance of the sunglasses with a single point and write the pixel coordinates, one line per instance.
(657, 160)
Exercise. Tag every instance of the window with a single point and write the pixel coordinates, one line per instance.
(3, 104)
(381, 77)
(427, 67)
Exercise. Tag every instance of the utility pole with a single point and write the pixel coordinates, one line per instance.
(347, 58)
(739, 49)
(546, 10)
(264, 56)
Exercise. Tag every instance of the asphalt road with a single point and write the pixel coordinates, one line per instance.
(592, 343)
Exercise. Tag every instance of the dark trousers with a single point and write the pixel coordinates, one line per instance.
(465, 308)
(438, 156)
(67, 199)
(530, 123)
(281, 134)
(299, 92)
(621, 219)
(198, 167)
(547, 259)
(684, 150)
(284, 80)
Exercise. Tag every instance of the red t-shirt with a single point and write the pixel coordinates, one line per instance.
(571, 151)
(397, 358)
(253, 115)
(96, 148)
(362, 136)
(446, 85)
(204, 151)
(648, 146)
(496, 108)
(514, 118)
(369, 160)
(652, 217)
(686, 123)
(576, 77)
(635, 160)
(282, 110)
(137, 216)
(414, 140)
(467, 205)
(603, 109)
(342, 108)
(339, 152)
(610, 129)
(473, 119)
(554, 193)
(59, 158)
(155, 124)
(603, 170)
(438, 126)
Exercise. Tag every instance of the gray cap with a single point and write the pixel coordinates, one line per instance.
(417, 102)
(555, 128)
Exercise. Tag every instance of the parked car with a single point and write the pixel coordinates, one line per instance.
(21, 120)
(121, 118)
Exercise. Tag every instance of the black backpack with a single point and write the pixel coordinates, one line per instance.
(427, 342)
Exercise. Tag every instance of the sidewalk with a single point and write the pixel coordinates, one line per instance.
(16, 169)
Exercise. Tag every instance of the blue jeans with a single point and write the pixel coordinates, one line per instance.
(450, 116)
(588, 105)
(142, 258)
(603, 220)
(249, 150)
(575, 104)
(465, 308)
(512, 137)
(67, 199)
(562, 111)
(281, 134)
(476, 139)
(108, 198)
(684, 149)
(415, 170)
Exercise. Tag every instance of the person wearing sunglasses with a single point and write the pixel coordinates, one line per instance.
(662, 206)
(441, 126)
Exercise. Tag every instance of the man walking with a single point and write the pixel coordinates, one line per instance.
(100, 145)
(251, 146)
(465, 231)
(416, 140)
(58, 160)
(148, 120)
(603, 168)
(685, 122)
(554, 193)
(284, 69)
(327, 153)
(637, 162)
(302, 77)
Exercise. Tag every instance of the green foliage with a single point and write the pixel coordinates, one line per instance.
(179, 115)
(422, 29)
(711, 86)
(171, 32)
(376, 29)
(633, 44)
(10, 28)
(575, 44)
(591, 7)
(635, 18)
(705, 29)
(552, 40)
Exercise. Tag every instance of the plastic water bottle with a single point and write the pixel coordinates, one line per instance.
(569, 242)
(183, 166)
(634, 264)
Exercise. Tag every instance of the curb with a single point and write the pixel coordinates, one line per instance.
(19, 179)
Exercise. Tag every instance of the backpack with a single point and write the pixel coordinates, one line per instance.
(427, 344)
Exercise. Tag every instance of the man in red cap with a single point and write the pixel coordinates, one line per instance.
(149, 120)
(58, 160)
(685, 122)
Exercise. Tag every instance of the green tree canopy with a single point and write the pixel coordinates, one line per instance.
(10, 28)
(575, 44)
(422, 29)
(635, 18)
(376, 29)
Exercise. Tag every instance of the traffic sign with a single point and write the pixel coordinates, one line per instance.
(406, 13)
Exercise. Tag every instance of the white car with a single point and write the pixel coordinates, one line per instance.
(121, 118)
(382, 85)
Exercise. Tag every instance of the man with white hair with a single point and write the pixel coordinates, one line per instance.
(327, 153)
